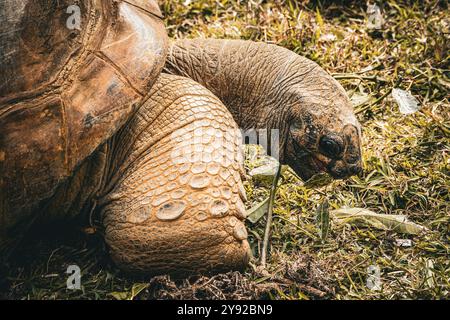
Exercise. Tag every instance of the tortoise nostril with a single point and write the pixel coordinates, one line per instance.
(352, 159)
(356, 169)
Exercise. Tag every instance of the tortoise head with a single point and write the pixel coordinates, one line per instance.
(322, 133)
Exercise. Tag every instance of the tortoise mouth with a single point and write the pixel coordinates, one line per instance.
(307, 164)
(320, 165)
(306, 167)
(304, 162)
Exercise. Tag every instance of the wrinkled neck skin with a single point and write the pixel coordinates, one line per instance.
(263, 86)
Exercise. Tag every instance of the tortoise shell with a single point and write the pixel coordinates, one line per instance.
(71, 76)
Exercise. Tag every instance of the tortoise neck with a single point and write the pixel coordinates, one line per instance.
(241, 73)
(254, 80)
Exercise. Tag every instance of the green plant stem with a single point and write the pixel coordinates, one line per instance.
(273, 191)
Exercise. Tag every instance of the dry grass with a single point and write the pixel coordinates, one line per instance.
(406, 165)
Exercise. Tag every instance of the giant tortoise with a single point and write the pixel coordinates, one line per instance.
(110, 119)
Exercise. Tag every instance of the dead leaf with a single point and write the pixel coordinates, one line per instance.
(407, 103)
(364, 217)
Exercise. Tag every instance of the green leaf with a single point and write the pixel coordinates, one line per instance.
(120, 295)
(323, 219)
(319, 18)
(258, 211)
(138, 288)
(133, 293)
(364, 217)
(318, 180)
(264, 173)
(319, 21)
(359, 99)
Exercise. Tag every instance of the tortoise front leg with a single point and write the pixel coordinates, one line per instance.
(176, 204)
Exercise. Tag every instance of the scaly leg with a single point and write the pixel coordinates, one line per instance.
(175, 203)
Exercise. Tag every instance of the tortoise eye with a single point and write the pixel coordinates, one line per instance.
(330, 147)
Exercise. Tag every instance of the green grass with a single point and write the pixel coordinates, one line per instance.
(406, 166)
